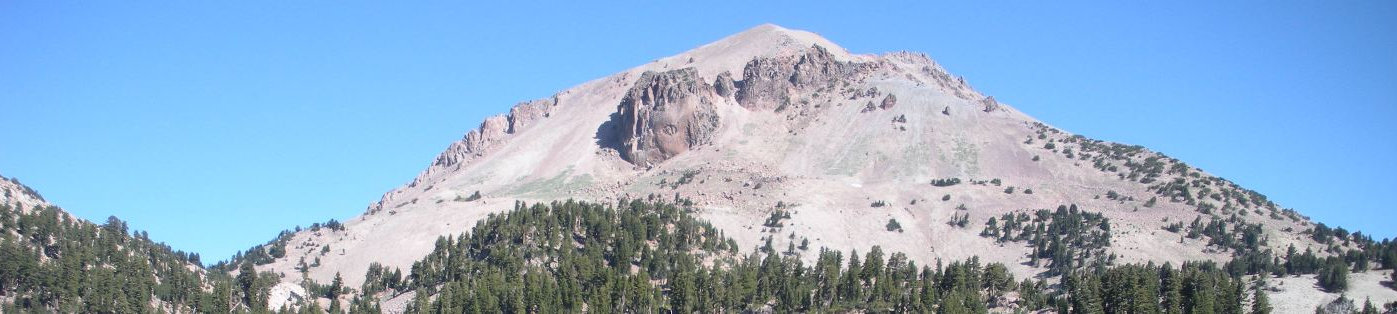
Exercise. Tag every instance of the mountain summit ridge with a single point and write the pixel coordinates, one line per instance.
(731, 53)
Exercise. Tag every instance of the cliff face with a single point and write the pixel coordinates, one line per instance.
(665, 114)
(768, 82)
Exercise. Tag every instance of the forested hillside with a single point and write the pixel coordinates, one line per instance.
(653, 256)
(52, 262)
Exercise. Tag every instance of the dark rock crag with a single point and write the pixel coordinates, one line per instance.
(665, 114)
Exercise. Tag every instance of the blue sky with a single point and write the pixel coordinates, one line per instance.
(215, 125)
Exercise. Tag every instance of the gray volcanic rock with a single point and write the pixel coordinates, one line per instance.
(888, 102)
(525, 113)
(664, 114)
(491, 130)
(767, 83)
(724, 84)
(990, 104)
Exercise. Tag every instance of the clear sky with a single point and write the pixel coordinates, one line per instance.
(214, 124)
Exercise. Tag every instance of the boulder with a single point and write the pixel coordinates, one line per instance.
(724, 84)
(888, 102)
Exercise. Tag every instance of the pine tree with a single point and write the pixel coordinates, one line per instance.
(1200, 293)
(1173, 290)
(247, 280)
(954, 303)
(849, 286)
(220, 301)
(1086, 295)
(1261, 304)
(1334, 277)
(872, 265)
(336, 287)
(1368, 307)
(682, 293)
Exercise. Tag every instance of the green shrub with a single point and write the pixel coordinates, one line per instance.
(774, 221)
(893, 225)
(473, 197)
(945, 182)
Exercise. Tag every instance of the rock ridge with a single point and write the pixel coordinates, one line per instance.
(479, 141)
(767, 83)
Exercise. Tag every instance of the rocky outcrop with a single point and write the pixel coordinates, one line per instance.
(493, 129)
(524, 114)
(764, 86)
(767, 83)
(664, 114)
(817, 67)
(724, 85)
(888, 102)
(478, 141)
(990, 104)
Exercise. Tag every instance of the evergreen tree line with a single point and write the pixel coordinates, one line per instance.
(651, 257)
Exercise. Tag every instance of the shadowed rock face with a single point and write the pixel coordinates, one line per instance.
(724, 84)
(665, 114)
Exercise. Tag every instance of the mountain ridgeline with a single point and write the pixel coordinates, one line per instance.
(769, 171)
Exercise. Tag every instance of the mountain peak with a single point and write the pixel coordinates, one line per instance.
(767, 34)
(731, 53)
(855, 150)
